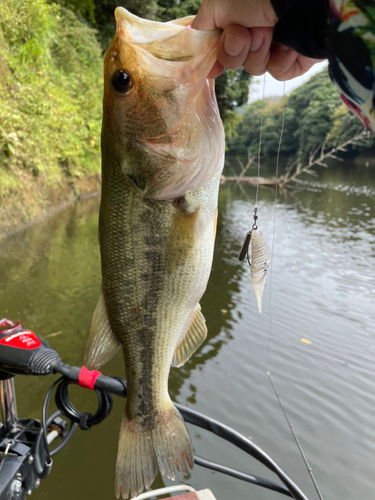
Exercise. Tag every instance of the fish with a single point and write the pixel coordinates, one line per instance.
(162, 148)
(260, 263)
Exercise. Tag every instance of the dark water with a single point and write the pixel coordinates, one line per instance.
(322, 288)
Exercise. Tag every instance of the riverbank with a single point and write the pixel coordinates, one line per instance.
(50, 111)
(37, 200)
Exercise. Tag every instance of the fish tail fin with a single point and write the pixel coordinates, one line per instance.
(136, 466)
(141, 453)
(172, 445)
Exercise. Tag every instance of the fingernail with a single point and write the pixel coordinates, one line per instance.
(283, 47)
(256, 40)
(233, 45)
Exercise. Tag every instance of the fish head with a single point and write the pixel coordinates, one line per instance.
(158, 107)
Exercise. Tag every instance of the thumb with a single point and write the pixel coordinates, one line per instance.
(205, 19)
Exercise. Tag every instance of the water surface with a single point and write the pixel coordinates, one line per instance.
(322, 289)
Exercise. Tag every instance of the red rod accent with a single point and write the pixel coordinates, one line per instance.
(87, 378)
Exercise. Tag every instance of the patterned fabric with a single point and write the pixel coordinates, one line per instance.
(351, 54)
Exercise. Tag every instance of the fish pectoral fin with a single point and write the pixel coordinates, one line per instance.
(102, 344)
(194, 337)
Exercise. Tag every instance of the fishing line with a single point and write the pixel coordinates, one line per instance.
(304, 458)
(275, 208)
(291, 427)
(260, 140)
(254, 241)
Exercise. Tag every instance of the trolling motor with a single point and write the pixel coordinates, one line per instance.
(25, 455)
(22, 352)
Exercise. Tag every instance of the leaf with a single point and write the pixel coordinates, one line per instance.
(9, 149)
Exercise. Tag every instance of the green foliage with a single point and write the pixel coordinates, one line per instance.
(232, 90)
(316, 102)
(313, 113)
(232, 120)
(345, 125)
(50, 104)
(85, 8)
(173, 9)
(247, 133)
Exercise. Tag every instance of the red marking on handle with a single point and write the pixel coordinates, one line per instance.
(26, 340)
(87, 378)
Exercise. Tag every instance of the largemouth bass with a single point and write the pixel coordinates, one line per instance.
(162, 157)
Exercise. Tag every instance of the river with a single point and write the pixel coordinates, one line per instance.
(320, 288)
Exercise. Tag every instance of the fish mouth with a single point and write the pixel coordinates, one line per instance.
(144, 29)
(174, 41)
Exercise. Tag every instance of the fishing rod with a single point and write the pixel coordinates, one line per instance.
(25, 453)
(291, 427)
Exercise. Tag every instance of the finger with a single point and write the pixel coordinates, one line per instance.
(222, 13)
(217, 70)
(259, 53)
(233, 46)
(285, 63)
(205, 18)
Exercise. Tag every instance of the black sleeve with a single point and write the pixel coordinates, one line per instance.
(302, 26)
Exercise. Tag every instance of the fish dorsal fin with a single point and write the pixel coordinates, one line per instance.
(102, 344)
(196, 334)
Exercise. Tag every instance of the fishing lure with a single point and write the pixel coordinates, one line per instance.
(260, 258)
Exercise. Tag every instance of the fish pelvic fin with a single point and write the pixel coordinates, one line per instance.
(194, 337)
(102, 344)
(166, 446)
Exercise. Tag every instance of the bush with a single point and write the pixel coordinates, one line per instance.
(50, 99)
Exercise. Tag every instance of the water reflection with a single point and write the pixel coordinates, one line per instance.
(321, 288)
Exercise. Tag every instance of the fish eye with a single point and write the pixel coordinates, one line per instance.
(122, 81)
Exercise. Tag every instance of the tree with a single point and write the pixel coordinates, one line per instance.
(312, 114)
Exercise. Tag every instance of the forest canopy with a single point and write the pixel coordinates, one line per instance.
(313, 114)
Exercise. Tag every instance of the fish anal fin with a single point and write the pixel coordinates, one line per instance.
(194, 337)
(182, 237)
(102, 344)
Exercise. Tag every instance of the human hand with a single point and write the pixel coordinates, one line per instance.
(247, 39)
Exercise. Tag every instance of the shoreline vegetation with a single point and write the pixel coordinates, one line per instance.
(50, 105)
(317, 158)
(50, 110)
